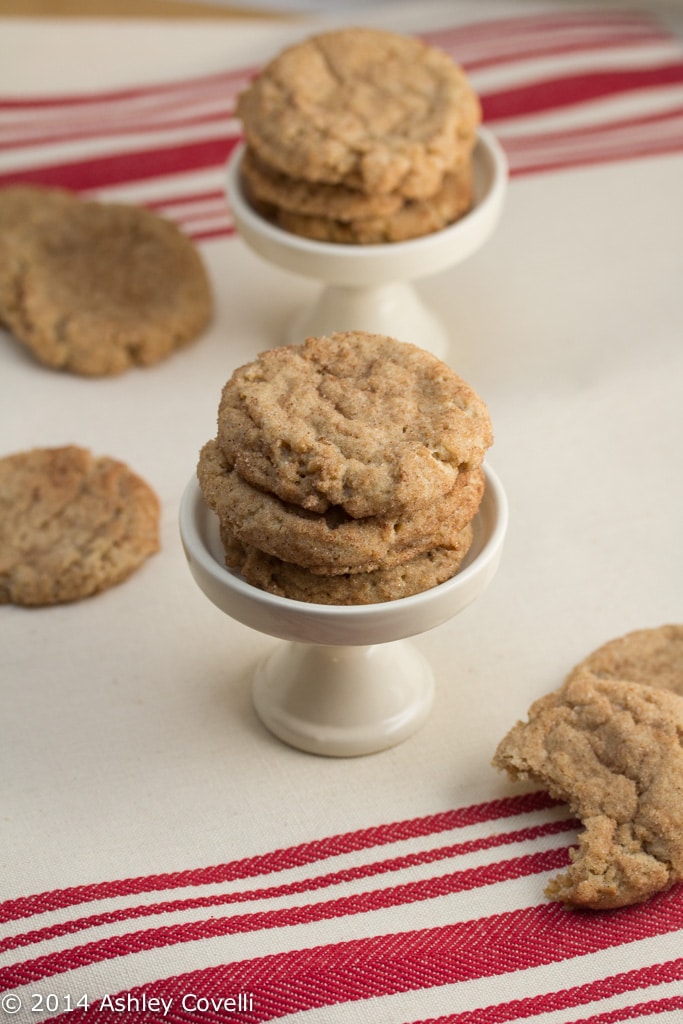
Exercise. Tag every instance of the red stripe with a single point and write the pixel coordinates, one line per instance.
(94, 173)
(604, 988)
(102, 172)
(34, 110)
(519, 166)
(515, 55)
(406, 961)
(491, 33)
(363, 903)
(189, 197)
(280, 860)
(112, 128)
(209, 214)
(105, 171)
(510, 42)
(530, 25)
(306, 885)
(127, 94)
(639, 1010)
(620, 139)
(206, 234)
(134, 122)
(638, 124)
(122, 109)
(556, 93)
(187, 105)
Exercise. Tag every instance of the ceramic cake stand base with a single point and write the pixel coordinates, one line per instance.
(343, 701)
(346, 681)
(393, 309)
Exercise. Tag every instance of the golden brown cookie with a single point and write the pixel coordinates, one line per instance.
(22, 209)
(650, 656)
(98, 288)
(333, 542)
(413, 219)
(366, 108)
(71, 525)
(270, 188)
(357, 421)
(612, 750)
(385, 584)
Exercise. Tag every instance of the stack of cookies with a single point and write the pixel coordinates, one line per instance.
(346, 470)
(360, 136)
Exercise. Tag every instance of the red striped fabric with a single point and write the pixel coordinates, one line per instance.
(282, 947)
(387, 964)
(280, 860)
(561, 90)
(466, 879)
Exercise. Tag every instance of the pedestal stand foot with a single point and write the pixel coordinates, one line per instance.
(393, 309)
(343, 701)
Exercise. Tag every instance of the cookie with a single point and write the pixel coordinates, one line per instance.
(385, 584)
(269, 188)
(355, 422)
(612, 750)
(332, 543)
(22, 209)
(650, 656)
(21, 204)
(98, 288)
(71, 525)
(413, 219)
(370, 109)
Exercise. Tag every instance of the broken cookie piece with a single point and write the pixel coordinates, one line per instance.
(613, 751)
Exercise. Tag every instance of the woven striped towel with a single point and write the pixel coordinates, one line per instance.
(439, 918)
(559, 90)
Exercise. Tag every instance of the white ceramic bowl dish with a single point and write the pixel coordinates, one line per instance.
(369, 287)
(346, 682)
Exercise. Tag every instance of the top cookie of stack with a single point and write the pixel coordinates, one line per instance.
(360, 136)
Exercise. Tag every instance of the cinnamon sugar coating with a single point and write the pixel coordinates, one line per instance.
(613, 750)
(356, 421)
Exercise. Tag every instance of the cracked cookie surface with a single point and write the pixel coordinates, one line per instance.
(96, 288)
(332, 543)
(356, 421)
(23, 208)
(370, 109)
(612, 749)
(414, 219)
(650, 656)
(313, 199)
(71, 525)
(383, 584)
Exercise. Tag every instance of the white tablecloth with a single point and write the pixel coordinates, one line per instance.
(157, 845)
